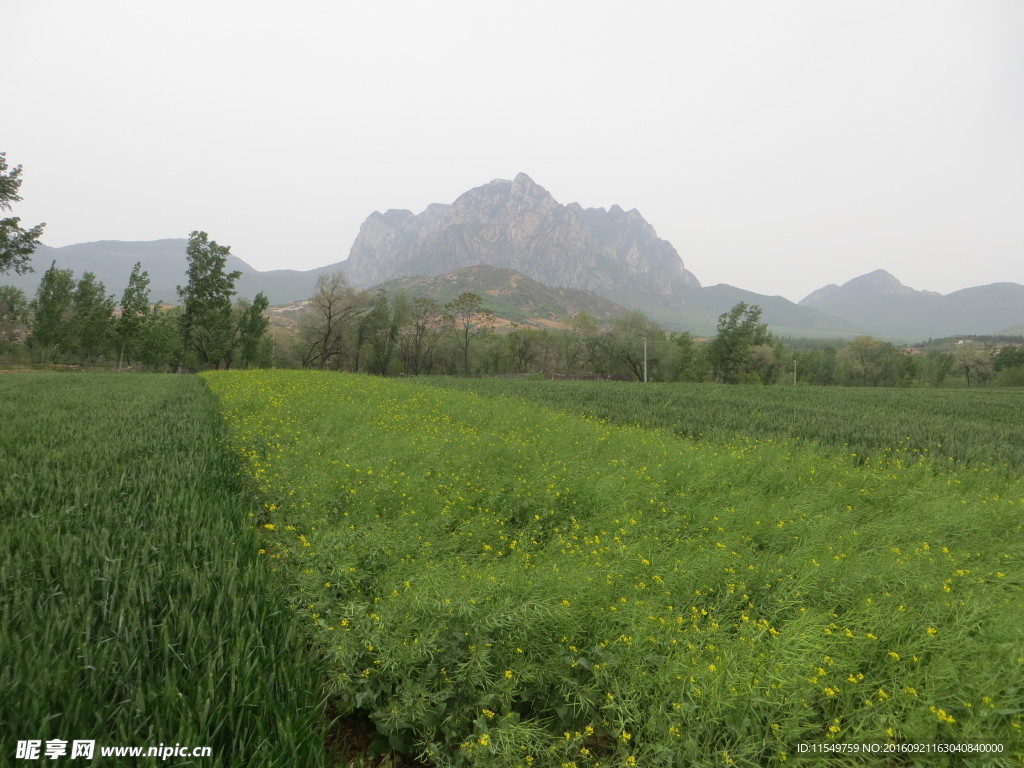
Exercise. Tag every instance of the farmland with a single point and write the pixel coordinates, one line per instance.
(952, 427)
(494, 583)
(135, 608)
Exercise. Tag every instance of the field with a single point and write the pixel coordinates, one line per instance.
(135, 608)
(952, 427)
(497, 584)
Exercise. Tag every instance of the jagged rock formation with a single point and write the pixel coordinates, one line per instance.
(518, 225)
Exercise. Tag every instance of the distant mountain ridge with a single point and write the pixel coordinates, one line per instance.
(882, 305)
(545, 251)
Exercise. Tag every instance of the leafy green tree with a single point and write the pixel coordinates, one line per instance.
(51, 310)
(14, 315)
(688, 361)
(381, 326)
(252, 324)
(16, 243)
(935, 367)
(974, 364)
(870, 362)
(731, 352)
(92, 318)
(468, 319)
(207, 330)
(132, 319)
(160, 344)
(633, 343)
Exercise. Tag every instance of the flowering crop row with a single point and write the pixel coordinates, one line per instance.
(498, 584)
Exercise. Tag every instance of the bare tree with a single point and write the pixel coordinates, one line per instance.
(419, 336)
(325, 326)
(468, 319)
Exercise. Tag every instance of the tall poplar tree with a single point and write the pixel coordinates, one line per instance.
(207, 327)
(51, 309)
(134, 308)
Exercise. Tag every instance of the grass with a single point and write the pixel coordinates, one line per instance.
(497, 584)
(134, 606)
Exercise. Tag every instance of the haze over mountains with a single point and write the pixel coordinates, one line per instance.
(554, 259)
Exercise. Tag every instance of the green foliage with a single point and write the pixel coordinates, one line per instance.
(160, 346)
(91, 328)
(17, 244)
(51, 309)
(133, 316)
(497, 584)
(866, 361)
(206, 322)
(733, 352)
(252, 324)
(14, 312)
(134, 606)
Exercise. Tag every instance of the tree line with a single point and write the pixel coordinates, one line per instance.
(77, 321)
(342, 328)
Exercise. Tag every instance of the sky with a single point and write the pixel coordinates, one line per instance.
(779, 145)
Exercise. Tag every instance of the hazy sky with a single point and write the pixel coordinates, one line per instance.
(779, 146)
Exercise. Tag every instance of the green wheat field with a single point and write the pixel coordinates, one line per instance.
(510, 573)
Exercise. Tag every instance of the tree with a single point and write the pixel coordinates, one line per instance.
(207, 329)
(134, 308)
(580, 345)
(867, 361)
(13, 314)
(468, 320)
(632, 343)
(16, 244)
(420, 334)
(92, 318)
(327, 324)
(974, 364)
(381, 326)
(252, 325)
(731, 351)
(160, 344)
(51, 309)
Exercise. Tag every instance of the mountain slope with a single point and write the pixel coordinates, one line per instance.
(510, 295)
(883, 306)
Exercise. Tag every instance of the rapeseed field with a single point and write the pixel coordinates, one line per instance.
(498, 584)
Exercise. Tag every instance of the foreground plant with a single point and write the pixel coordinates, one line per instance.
(496, 584)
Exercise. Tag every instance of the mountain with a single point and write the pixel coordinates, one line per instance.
(518, 225)
(543, 258)
(510, 295)
(112, 260)
(883, 306)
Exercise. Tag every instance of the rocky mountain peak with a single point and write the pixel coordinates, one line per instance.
(519, 225)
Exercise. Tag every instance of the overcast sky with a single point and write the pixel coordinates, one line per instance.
(779, 146)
